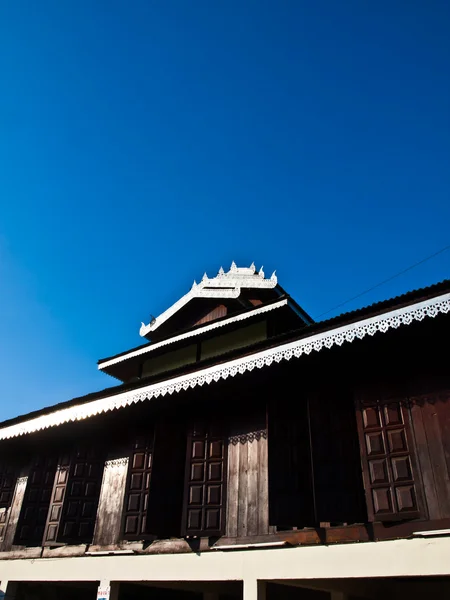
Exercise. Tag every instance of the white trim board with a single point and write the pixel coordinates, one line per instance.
(316, 342)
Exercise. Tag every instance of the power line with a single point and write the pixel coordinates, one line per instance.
(386, 280)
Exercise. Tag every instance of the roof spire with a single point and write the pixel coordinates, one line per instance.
(252, 267)
(261, 272)
(233, 267)
(221, 271)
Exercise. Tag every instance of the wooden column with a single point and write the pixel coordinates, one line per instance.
(109, 514)
(254, 589)
(14, 513)
(8, 590)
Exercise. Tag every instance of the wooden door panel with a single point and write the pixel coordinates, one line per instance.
(204, 503)
(392, 489)
(138, 486)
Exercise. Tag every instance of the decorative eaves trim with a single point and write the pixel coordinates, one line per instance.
(247, 315)
(224, 285)
(316, 342)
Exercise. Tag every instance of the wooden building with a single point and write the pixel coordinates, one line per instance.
(247, 452)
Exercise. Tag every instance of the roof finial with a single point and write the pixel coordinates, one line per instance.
(252, 267)
(273, 277)
(194, 285)
(261, 273)
(221, 271)
(233, 267)
(205, 277)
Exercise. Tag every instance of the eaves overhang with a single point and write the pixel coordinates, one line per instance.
(104, 364)
(334, 336)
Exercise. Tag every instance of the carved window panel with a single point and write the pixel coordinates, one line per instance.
(392, 490)
(36, 502)
(204, 501)
(8, 475)
(137, 491)
(75, 495)
(8, 478)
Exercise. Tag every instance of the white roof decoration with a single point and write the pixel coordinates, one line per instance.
(223, 285)
(312, 343)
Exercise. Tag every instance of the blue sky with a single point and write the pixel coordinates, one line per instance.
(143, 143)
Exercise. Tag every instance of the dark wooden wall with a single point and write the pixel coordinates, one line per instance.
(430, 415)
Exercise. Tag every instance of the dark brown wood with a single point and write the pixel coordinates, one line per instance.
(390, 531)
(137, 490)
(36, 502)
(57, 501)
(205, 493)
(76, 490)
(338, 487)
(290, 476)
(165, 500)
(8, 475)
(217, 312)
(393, 490)
(424, 460)
(83, 491)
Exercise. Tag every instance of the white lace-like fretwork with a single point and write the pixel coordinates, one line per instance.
(347, 333)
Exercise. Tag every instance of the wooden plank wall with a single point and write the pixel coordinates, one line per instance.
(247, 491)
(109, 514)
(430, 416)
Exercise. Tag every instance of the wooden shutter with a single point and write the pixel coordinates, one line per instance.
(204, 501)
(83, 491)
(138, 485)
(76, 491)
(392, 490)
(36, 502)
(7, 484)
(57, 500)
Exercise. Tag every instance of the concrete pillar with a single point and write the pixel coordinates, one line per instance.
(108, 590)
(8, 590)
(254, 589)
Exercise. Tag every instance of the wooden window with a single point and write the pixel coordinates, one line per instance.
(392, 489)
(290, 474)
(36, 502)
(165, 500)
(204, 501)
(314, 461)
(137, 491)
(7, 484)
(76, 490)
